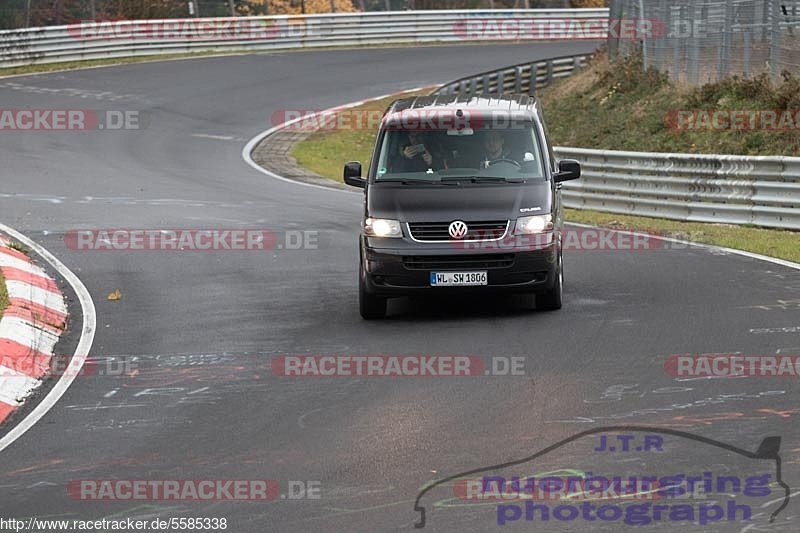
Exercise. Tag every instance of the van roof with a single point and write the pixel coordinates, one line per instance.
(511, 102)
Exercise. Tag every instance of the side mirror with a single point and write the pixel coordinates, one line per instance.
(568, 169)
(352, 175)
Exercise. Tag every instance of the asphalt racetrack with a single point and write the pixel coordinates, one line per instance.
(199, 330)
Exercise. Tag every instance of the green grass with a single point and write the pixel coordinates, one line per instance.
(76, 65)
(3, 295)
(326, 152)
(774, 243)
(18, 246)
(618, 107)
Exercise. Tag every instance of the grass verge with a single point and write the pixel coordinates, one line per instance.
(18, 246)
(326, 152)
(616, 106)
(771, 242)
(91, 63)
(3, 295)
(4, 301)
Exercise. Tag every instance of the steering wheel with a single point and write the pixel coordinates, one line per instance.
(503, 160)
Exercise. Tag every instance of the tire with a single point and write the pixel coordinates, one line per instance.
(527, 301)
(371, 307)
(551, 300)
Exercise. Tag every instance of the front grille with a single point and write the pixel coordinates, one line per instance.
(458, 262)
(476, 231)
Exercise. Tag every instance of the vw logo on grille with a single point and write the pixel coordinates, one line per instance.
(458, 230)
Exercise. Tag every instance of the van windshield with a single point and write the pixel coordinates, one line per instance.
(485, 154)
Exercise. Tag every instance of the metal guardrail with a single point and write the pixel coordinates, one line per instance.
(524, 78)
(120, 39)
(729, 189)
(764, 191)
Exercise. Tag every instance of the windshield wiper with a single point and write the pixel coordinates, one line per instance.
(485, 179)
(416, 182)
(406, 181)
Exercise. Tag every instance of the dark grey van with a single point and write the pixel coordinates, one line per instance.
(463, 194)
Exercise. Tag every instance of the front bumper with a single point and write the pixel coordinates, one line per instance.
(404, 268)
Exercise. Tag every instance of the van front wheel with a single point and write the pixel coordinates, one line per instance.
(551, 300)
(370, 306)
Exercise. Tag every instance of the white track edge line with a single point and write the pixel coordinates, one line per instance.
(81, 351)
(250, 146)
(247, 151)
(751, 255)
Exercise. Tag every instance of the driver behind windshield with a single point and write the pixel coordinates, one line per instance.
(420, 154)
(494, 148)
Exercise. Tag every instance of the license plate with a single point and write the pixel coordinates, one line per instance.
(458, 279)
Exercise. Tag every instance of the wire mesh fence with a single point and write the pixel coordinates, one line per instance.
(700, 41)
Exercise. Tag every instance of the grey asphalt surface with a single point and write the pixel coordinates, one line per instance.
(200, 329)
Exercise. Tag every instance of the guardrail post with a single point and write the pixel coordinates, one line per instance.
(615, 14)
(660, 42)
(533, 79)
(645, 54)
(759, 19)
(694, 54)
(521, 79)
(677, 43)
(725, 51)
(501, 82)
(748, 45)
(775, 38)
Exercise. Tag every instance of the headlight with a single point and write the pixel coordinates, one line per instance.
(381, 227)
(535, 224)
